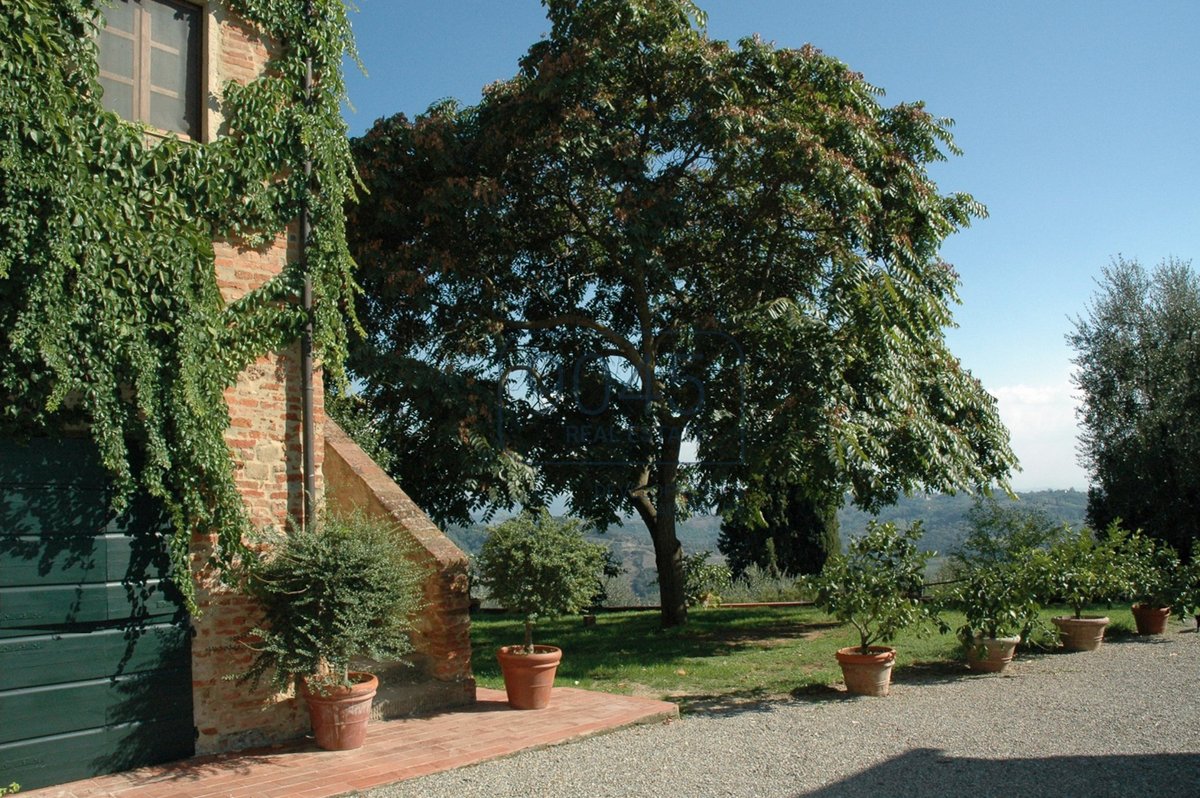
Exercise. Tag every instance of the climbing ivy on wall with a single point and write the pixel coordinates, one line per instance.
(110, 313)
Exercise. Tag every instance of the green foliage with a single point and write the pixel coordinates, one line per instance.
(353, 415)
(1152, 569)
(704, 580)
(1137, 353)
(997, 600)
(1081, 567)
(650, 236)
(11, 789)
(758, 584)
(1187, 592)
(876, 585)
(110, 314)
(541, 567)
(790, 530)
(346, 589)
(997, 584)
(1002, 534)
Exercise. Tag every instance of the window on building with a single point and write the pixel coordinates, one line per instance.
(150, 57)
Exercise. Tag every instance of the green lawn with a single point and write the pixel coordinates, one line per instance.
(722, 655)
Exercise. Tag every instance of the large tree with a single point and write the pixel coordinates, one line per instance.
(1138, 367)
(653, 265)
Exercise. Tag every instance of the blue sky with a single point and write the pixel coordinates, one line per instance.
(1080, 123)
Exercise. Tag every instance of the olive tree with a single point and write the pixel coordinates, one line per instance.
(1137, 352)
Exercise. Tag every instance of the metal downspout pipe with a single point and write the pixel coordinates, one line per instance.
(306, 337)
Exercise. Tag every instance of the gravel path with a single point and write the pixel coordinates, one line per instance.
(1121, 721)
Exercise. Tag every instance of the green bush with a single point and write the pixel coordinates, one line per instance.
(703, 580)
(343, 590)
(995, 586)
(759, 584)
(998, 600)
(1153, 570)
(541, 567)
(1000, 534)
(1081, 567)
(1187, 588)
(876, 586)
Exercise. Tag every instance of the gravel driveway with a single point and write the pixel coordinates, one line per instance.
(1121, 721)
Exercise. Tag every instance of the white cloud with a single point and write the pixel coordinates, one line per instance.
(1041, 419)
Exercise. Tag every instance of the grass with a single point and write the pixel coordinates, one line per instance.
(723, 655)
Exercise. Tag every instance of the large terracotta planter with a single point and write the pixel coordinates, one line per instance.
(991, 654)
(1081, 634)
(339, 717)
(529, 678)
(1150, 620)
(867, 674)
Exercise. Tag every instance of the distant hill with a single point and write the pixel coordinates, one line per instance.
(944, 519)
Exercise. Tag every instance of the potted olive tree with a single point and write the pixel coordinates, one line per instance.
(875, 587)
(1153, 570)
(330, 594)
(1082, 568)
(540, 567)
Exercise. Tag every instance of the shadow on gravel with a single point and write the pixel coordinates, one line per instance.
(931, 773)
(930, 672)
(751, 701)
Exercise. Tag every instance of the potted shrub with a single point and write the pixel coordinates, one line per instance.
(540, 567)
(1081, 568)
(1187, 590)
(993, 584)
(1000, 603)
(1153, 570)
(875, 587)
(342, 590)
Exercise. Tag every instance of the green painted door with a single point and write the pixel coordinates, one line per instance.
(95, 648)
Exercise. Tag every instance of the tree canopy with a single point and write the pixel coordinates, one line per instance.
(1137, 356)
(652, 265)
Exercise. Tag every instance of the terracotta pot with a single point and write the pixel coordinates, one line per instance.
(1081, 634)
(339, 716)
(867, 674)
(1150, 620)
(528, 678)
(991, 654)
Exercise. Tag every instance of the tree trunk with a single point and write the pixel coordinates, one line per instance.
(668, 557)
(660, 521)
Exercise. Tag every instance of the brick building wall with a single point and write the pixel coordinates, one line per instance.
(265, 440)
(439, 674)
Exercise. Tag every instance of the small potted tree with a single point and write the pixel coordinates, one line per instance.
(875, 587)
(540, 567)
(999, 602)
(1153, 570)
(1187, 590)
(329, 594)
(1081, 568)
(993, 584)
